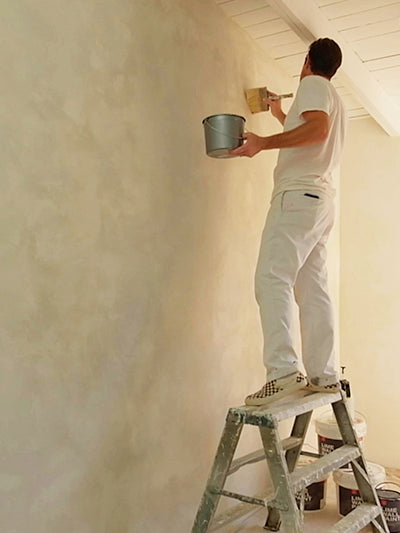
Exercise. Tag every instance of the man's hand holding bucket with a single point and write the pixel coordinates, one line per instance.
(253, 145)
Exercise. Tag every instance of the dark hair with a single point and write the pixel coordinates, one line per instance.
(325, 57)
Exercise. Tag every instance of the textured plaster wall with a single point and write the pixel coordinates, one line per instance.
(370, 283)
(128, 323)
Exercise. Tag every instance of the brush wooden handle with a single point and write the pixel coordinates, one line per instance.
(280, 96)
(255, 98)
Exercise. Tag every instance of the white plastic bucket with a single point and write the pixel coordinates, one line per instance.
(314, 494)
(348, 495)
(223, 133)
(329, 436)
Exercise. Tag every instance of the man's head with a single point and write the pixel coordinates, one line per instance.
(323, 59)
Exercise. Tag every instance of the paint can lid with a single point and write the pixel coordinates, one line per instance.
(345, 477)
(326, 426)
(388, 494)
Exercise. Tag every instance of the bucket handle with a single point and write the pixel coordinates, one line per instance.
(380, 485)
(222, 133)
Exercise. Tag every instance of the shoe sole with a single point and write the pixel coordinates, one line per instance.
(257, 402)
(316, 388)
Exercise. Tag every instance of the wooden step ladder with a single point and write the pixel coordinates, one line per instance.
(282, 457)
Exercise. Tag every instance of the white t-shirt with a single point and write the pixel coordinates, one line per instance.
(310, 167)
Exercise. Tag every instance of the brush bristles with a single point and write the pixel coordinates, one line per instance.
(255, 98)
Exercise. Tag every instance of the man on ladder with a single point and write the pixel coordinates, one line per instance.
(292, 264)
(292, 260)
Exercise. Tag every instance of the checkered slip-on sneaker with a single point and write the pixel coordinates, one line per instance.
(277, 388)
(334, 387)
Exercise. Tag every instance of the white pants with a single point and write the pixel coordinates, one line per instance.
(292, 267)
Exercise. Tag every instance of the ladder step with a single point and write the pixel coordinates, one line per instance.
(253, 457)
(233, 514)
(259, 455)
(241, 497)
(304, 476)
(360, 517)
(294, 405)
(304, 404)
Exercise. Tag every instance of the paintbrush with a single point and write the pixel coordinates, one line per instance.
(255, 98)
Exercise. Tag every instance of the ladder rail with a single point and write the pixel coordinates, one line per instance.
(279, 472)
(359, 465)
(378, 526)
(299, 430)
(223, 459)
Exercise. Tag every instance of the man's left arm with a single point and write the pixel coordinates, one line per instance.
(314, 130)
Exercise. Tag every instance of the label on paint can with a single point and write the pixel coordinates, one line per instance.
(314, 496)
(327, 445)
(329, 436)
(348, 495)
(390, 501)
(349, 499)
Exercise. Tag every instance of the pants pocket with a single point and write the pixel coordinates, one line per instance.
(299, 200)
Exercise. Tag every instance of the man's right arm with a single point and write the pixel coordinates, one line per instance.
(315, 129)
(276, 109)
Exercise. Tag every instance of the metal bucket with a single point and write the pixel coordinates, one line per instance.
(390, 502)
(223, 133)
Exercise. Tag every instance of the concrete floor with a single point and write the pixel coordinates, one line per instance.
(314, 521)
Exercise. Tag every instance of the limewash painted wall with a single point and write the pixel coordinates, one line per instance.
(370, 283)
(128, 323)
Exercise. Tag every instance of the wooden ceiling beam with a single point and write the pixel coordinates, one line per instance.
(308, 21)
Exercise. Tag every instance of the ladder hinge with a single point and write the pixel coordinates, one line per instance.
(235, 418)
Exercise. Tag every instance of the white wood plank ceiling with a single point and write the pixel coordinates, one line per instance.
(368, 32)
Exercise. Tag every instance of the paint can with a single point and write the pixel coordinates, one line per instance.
(390, 501)
(223, 133)
(329, 437)
(347, 493)
(314, 494)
